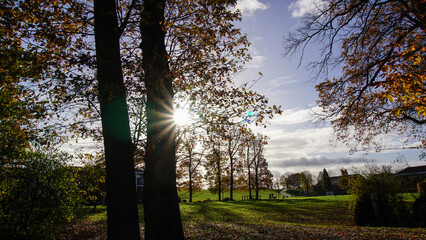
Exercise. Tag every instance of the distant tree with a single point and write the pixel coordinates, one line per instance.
(262, 176)
(344, 179)
(292, 181)
(306, 181)
(234, 136)
(325, 179)
(282, 180)
(189, 163)
(265, 179)
(216, 166)
(248, 161)
(379, 46)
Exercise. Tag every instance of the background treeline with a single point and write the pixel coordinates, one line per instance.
(226, 160)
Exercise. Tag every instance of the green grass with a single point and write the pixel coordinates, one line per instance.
(310, 211)
(290, 218)
(332, 210)
(329, 210)
(207, 195)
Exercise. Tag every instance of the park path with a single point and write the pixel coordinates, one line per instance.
(285, 195)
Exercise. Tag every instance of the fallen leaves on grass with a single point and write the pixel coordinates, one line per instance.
(230, 231)
(84, 230)
(234, 231)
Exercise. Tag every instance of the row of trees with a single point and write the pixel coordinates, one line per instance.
(57, 83)
(305, 181)
(230, 160)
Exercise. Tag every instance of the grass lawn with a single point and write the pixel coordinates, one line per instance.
(292, 218)
(207, 195)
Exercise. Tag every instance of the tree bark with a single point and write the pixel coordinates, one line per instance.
(256, 180)
(248, 169)
(190, 187)
(161, 207)
(122, 209)
(190, 176)
(231, 188)
(219, 176)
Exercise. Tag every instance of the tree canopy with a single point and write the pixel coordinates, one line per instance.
(380, 48)
(39, 47)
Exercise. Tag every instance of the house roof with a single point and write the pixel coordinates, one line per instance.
(333, 180)
(419, 170)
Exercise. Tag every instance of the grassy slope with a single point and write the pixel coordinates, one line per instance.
(294, 218)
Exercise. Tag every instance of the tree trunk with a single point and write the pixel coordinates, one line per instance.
(248, 168)
(190, 183)
(231, 195)
(161, 207)
(256, 180)
(219, 179)
(122, 209)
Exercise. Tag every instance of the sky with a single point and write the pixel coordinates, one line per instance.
(295, 143)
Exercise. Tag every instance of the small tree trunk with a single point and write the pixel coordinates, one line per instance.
(190, 186)
(249, 174)
(219, 179)
(231, 196)
(256, 181)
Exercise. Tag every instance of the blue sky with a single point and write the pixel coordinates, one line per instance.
(295, 145)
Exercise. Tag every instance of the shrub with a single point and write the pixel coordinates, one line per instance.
(419, 207)
(295, 192)
(91, 183)
(37, 196)
(376, 199)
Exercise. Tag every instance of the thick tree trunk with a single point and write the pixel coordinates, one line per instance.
(122, 209)
(161, 207)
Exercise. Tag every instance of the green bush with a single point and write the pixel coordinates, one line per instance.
(376, 199)
(37, 196)
(419, 207)
(419, 212)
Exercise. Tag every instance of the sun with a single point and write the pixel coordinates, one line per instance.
(181, 117)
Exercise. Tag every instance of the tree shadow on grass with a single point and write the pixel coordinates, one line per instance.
(306, 211)
(209, 211)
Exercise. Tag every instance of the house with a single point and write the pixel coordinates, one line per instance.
(410, 176)
(335, 188)
(139, 184)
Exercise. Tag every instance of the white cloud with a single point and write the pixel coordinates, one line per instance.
(295, 145)
(293, 116)
(281, 81)
(256, 61)
(302, 7)
(248, 7)
(318, 161)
